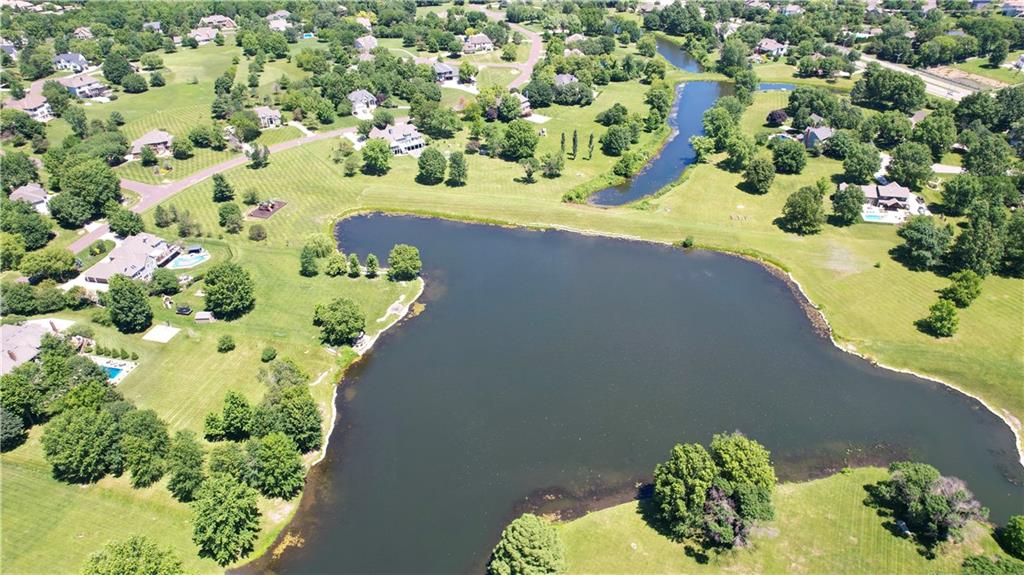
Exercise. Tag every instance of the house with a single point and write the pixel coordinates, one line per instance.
(1013, 8)
(365, 23)
(444, 73)
(403, 138)
(563, 79)
(1019, 64)
(567, 52)
(269, 117)
(21, 6)
(279, 25)
(363, 102)
(279, 15)
(21, 343)
(365, 43)
(84, 86)
(35, 105)
(816, 120)
(218, 21)
(791, 10)
(157, 140)
(757, 4)
(136, 257)
(816, 135)
(524, 104)
(82, 33)
(891, 196)
(203, 35)
(8, 47)
(151, 27)
(477, 43)
(70, 61)
(918, 116)
(205, 317)
(980, 4)
(771, 47)
(574, 38)
(34, 195)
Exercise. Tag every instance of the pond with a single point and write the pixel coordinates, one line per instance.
(550, 370)
(686, 119)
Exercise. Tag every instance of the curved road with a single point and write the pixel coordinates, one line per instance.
(536, 49)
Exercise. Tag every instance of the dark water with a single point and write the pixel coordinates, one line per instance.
(569, 364)
(685, 120)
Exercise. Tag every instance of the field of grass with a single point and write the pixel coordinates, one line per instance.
(201, 158)
(822, 526)
(981, 67)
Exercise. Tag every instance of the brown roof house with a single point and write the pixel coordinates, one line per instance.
(218, 21)
(477, 43)
(203, 34)
(157, 140)
(136, 257)
(771, 47)
(33, 104)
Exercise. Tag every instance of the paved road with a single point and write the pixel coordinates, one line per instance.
(152, 194)
(933, 84)
(536, 49)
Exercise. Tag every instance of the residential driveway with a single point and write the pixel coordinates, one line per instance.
(536, 49)
(152, 194)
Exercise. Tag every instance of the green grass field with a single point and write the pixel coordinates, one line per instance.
(822, 526)
(981, 67)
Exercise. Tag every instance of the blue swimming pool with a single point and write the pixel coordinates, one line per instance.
(112, 372)
(873, 218)
(188, 261)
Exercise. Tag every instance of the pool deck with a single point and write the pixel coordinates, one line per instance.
(125, 366)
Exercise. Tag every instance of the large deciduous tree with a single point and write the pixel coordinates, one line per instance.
(229, 291)
(225, 519)
(129, 309)
(340, 322)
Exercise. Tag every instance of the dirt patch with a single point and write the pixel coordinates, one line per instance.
(967, 77)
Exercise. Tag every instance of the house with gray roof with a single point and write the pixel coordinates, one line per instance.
(35, 105)
(443, 72)
(771, 47)
(84, 86)
(402, 138)
(269, 117)
(151, 26)
(158, 141)
(365, 43)
(815, 135)
(563, 79)
(21, 344)
(477, 43)
(218, 21)
(70, 61)
(34, 195)
(135, 257)
(363, 102)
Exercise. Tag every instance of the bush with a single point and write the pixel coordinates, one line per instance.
(268, 355)
(225, 344)
(964, 289)
(941, 320)
(529, 544)
(404, 263)
(257, 232)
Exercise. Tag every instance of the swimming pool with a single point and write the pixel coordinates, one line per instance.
(874, 218)
(188, 260)
(112, 372)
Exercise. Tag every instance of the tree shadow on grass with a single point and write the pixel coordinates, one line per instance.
(648, 510)
(883, 507)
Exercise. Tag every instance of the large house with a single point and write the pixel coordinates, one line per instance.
(70, 61)
(443, 72)
(35, 105)
(889, 197)
(21, 344)
(363, 102)
(524, 104)
(564, 79)
(402, 138)
(136, 257)
(815, 135)
(34, 195)
(365, 43)
(84, 86)
(771, 47)
(477, 43)
(157, 140)
(151, 26)
(203, 34)
(218, 21)
(279, 25)
(269, 117)
(82, 33)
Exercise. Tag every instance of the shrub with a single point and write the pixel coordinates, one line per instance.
(941, 320)
(225, 344)
(257, 233)
(529, 544)
(268, 355)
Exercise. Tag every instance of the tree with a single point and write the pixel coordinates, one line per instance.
(75, 117)
(733, 57)
(941, 320)
(575, 143)
(888, 89)
(987, 154)
(372, 266)
(528, 545)
(12, 249)
(743, 461)
(341, 321)
(337, 265)
(934, 507)
(740, 149)
(458, 169)
(980, 246)
(997, 55)
(307, 263)
(185, 465)
(229, 291)
(354, 269)
(230, 217)
(136, 555)
(552, 165)
(788, 156)
(351, 165)
(719, 125)
(81, 444)
(17, 170)
(960, 192)
(520, 140)
(222, 190)
(964, 289)
(275, 467)
(803, 212)
(225, 344)
(116, 67)
(590, 146)
(92, 183)
(760, 174)
(144, 443)
(616, 140)
(847, 204)
(156, 80)
(432, 165)
(12, 430)
(646, 46)
(225, 519)
(1013, 250)
(124, 222)
(861, 163)
(529, 165)
(246, 125)
(134, 83)
(404, 263)
(182, 148)
(937, 131)
(129, 309)
(680, 487)
(376, 157)
(148, 156)
(53, 263)
(925, 242)
(257, 233)
(911, 164)
(1012, 536)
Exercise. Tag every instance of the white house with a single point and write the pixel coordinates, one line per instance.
(218, 21)
(402, 138)
(279, 25)
(151, 26)
(269, 117)
(84, 86)
(34, 195)
(771, 47)
(443, 72)
(363, 102)
(35, 105)
(82, 33)
(477, 43)
(70, 61)
(136, 257)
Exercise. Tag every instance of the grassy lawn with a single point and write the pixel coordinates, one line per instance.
(980, 66)
(823, 526)
(158, 174)
(278, 135)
